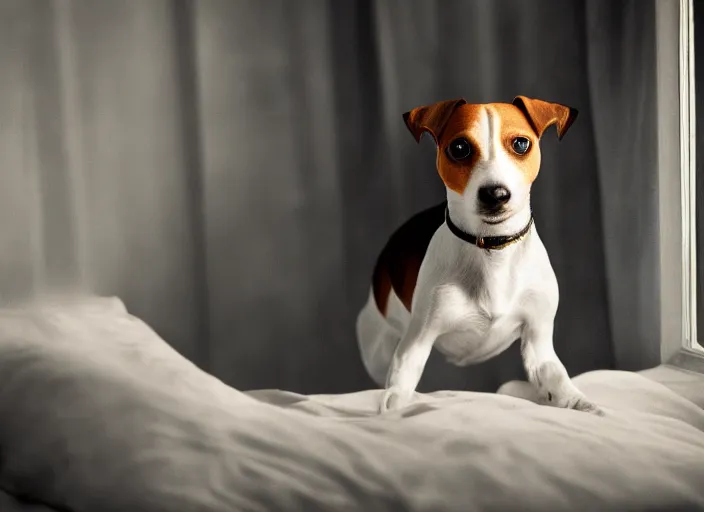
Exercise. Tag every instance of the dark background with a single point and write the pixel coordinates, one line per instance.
(231, 168)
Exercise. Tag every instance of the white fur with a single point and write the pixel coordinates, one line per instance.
(472, 304)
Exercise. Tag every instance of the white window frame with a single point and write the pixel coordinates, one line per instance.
(676, 185)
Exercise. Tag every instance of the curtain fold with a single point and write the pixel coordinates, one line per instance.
(232, 168)
(622, 86)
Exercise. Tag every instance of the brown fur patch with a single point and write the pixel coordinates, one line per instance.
(543, 114)
(464, 122)
(514, 124)
(431, 118)
(399, 262)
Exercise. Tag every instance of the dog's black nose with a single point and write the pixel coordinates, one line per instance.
(494, 196)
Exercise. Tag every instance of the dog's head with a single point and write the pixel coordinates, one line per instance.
(488, 155)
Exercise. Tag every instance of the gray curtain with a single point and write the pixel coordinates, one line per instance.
(622, 86)
(231, 168)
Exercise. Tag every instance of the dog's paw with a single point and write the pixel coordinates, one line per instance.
(394, 398)
(574, 400)
(581, 403)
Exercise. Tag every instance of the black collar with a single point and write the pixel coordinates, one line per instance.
(487, 242)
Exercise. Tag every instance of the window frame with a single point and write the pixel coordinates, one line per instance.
(676, 185)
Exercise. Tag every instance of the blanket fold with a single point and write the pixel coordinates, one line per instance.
(100, 414)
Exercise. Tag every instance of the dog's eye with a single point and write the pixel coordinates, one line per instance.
(459, 149)
(521, 145)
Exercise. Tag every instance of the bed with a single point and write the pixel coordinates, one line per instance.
(100, 414)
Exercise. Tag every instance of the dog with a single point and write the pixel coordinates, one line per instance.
(471, 276)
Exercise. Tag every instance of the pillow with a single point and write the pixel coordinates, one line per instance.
(89, 392)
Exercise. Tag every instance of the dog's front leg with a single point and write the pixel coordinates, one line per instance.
(407, 364)
(547, 373)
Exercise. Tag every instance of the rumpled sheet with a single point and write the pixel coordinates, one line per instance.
(99, 414)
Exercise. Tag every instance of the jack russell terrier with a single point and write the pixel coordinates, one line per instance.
(471, 275)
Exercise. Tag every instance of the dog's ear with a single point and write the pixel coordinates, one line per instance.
(542, 115)
(431, 118)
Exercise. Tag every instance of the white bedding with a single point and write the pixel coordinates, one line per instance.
(99, 414)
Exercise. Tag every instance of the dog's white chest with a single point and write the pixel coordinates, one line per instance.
(482, 301)
(480, 327)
